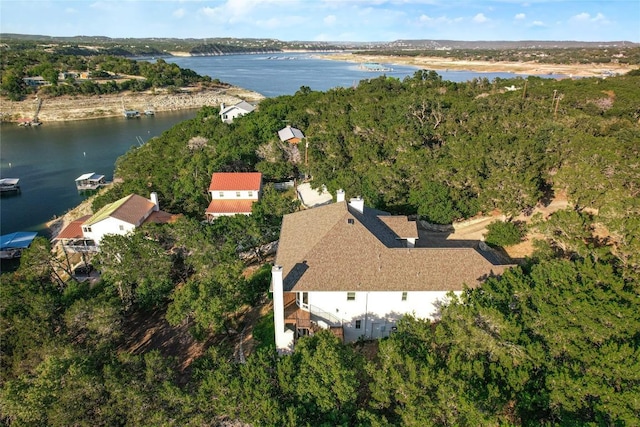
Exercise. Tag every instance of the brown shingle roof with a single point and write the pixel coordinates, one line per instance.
(132, 209)
(238, 181)
(329, 248)
(400, 225)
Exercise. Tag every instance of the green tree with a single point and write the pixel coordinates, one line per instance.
(139, 269)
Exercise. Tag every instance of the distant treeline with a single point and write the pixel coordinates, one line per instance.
(569, 55)
(103, 74)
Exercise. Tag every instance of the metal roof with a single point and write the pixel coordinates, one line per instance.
(18, 240)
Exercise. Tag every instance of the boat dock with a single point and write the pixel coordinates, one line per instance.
(90, 181)
(12, 245)
(10, 185)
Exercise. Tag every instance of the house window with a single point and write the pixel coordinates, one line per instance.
(358, 324)
(221, 194)
(121, 227)
(351, 296)
(250, 193)
(237, 194)
(404, 296)
(86, 229)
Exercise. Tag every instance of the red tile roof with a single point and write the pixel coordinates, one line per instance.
(238, 181)
(74, 229)
(241, 206)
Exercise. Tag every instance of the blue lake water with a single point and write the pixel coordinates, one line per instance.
(47, 159)
(284, 73)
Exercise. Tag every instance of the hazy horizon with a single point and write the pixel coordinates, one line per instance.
(328, 20)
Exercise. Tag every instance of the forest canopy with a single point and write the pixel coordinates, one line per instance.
(555, 341)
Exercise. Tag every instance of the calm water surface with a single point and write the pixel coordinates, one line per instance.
(47, 159)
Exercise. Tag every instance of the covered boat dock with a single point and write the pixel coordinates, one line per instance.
(12, 245)
(90, 181)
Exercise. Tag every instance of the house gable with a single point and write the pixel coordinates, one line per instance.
(348, 267)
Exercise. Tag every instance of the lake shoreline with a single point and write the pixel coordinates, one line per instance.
(452, 64)
(80, 107)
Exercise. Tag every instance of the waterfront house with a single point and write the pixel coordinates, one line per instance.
(357, 270)
(291, 135)
(120, 217)
(233, 193)
(228, 113)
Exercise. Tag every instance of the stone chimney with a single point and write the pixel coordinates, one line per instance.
(221, 106)
(357, 204)
(340, 196)
(154, 200)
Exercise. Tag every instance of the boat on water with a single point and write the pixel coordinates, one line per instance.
(10, 185)
(12, 245)
(90, 181)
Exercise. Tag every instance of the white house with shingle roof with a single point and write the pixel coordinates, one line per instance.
(357, 271)
(230, 112)
(120, 217)
(290, 134)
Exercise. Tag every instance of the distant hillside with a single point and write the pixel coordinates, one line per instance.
(222, 45)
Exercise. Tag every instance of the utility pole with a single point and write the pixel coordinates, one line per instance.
(524, 90)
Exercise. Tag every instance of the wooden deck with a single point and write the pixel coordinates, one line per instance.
(295, 315)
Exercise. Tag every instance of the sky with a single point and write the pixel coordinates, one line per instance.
(328, 20)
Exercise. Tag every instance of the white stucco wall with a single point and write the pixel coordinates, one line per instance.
(233, 113)
(231, 195)
(377, 311)
(108, 226)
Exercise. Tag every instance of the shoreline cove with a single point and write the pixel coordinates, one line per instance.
(450, 64)
(66, 108)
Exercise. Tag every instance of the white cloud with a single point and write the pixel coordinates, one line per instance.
(520, 16)
(426, 19)
(330, 19)
(179, 13)
(538, 24)
(586, 17)
(480, 18)
(71, 10)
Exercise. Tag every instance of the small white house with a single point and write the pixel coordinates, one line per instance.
(120, 217)
(228, 113)
(290, 134)
(357, 271)
(233, 193)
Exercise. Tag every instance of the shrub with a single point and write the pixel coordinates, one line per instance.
(504, 233)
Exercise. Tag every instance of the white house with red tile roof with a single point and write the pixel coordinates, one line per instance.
(120, 217)
(357, 270)
(233, 193)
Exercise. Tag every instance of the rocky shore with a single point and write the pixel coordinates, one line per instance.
(519, 67)
(91, 107)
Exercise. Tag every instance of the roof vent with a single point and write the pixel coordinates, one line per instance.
(350, 221)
